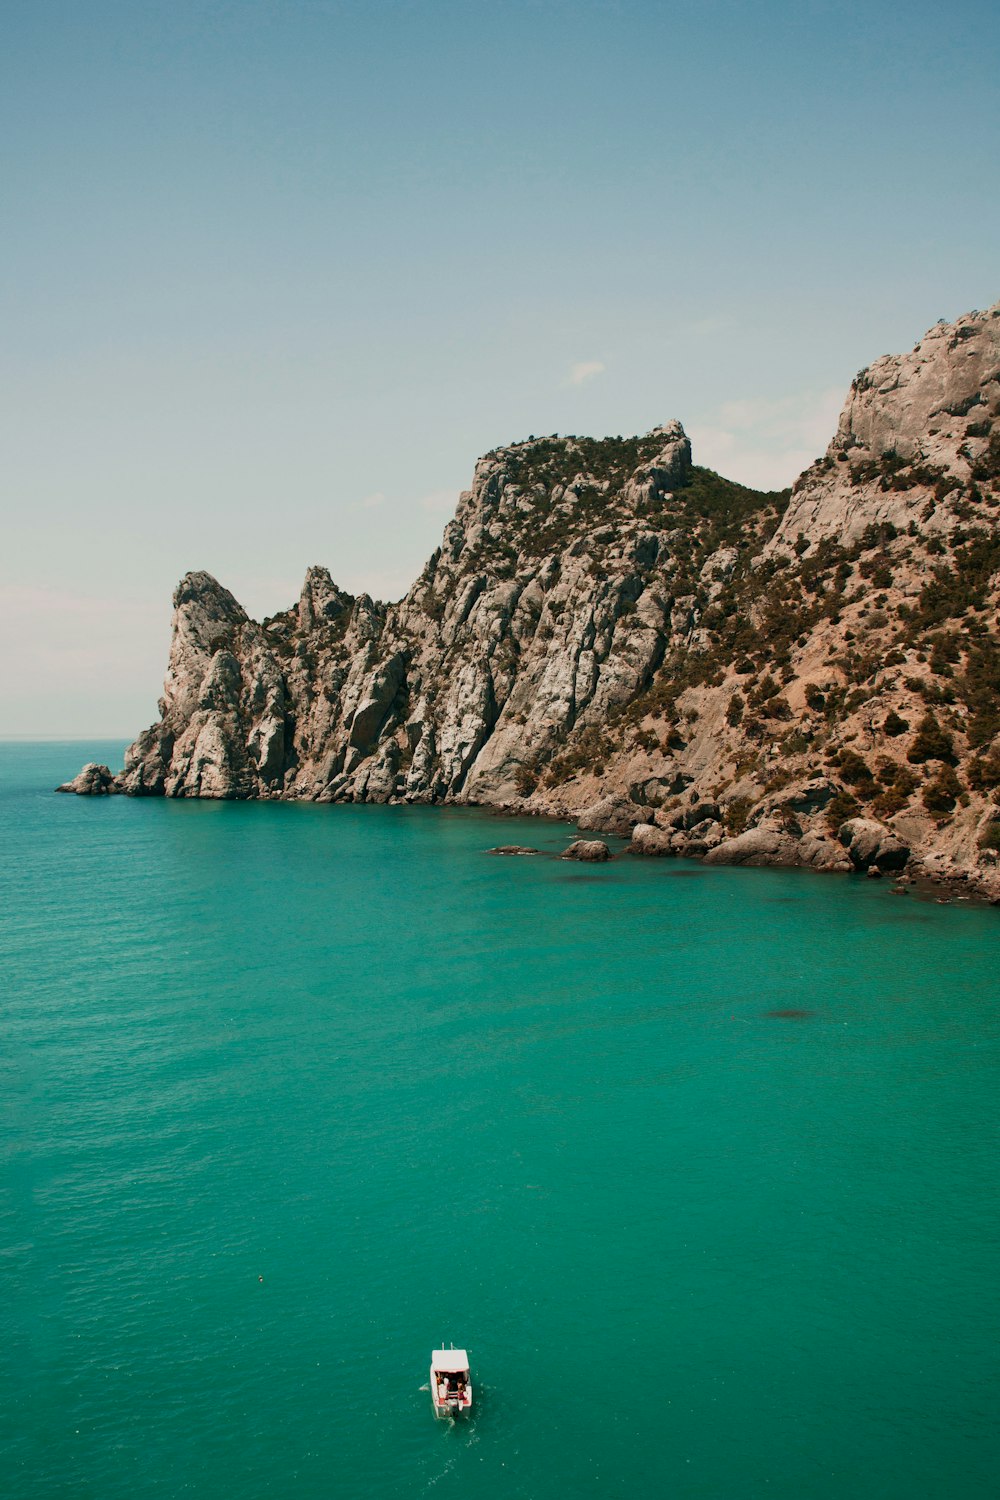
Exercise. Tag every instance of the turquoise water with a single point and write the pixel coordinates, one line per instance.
(696, 1249)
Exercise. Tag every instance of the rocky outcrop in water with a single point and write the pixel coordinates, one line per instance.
(92, 781)
(590, 851)
(610, 633)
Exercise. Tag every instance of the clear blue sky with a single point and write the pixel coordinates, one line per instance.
(274, 274)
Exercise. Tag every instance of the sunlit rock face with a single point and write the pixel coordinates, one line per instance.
(904, 431)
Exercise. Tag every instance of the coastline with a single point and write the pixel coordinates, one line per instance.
(913, 879)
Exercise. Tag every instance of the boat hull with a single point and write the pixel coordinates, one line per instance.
(445, 1410)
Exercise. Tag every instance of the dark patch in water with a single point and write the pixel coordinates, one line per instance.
(680, 874)
(789, 1015)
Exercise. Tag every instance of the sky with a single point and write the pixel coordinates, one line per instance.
(273, 273)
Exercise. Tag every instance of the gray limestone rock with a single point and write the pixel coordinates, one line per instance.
(614, 815)
(821, 852)
(904, 409)
(808, 797)
(648, 839)
(758, 846)
(93, 781)
(698, 813)
(654, 790)
(870, 843)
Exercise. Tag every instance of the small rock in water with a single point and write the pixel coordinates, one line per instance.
(92, 781)
(588, 849)
(512, 849)
(789, 1014)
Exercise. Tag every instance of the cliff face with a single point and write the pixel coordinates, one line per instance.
(546, 608)
(611, 633)
(909, 419)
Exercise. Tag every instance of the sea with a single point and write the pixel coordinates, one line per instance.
(700, 1165)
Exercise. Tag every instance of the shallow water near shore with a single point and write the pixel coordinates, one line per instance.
(700, 1164)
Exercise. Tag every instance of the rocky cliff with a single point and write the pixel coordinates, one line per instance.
(611, 633)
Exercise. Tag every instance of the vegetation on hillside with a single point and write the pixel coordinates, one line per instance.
(752, 619)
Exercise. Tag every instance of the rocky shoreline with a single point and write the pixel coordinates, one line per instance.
(612, 635)
(865, 847)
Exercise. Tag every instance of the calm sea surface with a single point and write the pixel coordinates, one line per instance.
(293, 1093)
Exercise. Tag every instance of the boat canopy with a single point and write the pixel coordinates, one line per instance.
(450, 1361)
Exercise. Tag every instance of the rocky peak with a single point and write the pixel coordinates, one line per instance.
(207, 620)
(321, 602)
(911, 422)
(528, 498)
(920, 405)
(205, 609)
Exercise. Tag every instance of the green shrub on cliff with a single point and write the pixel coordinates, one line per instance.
(853, 769)
(726, 504)
(941, 794)
(839, 809)
(990, 836)
(979, 688)
(930, 743)
(588, 751)
(945, 652)
(525, 779)
(983, 772)
(891, 801)
(736, 814)
(954, 590)
(556, 461)
(987, 466)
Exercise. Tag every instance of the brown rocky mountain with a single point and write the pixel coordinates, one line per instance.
(610, 633)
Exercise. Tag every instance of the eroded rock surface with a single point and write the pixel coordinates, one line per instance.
(92, 781)
(870, 843)
(591, 851)
(907, 417)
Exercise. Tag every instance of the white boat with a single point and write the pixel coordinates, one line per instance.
(451, 1388)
